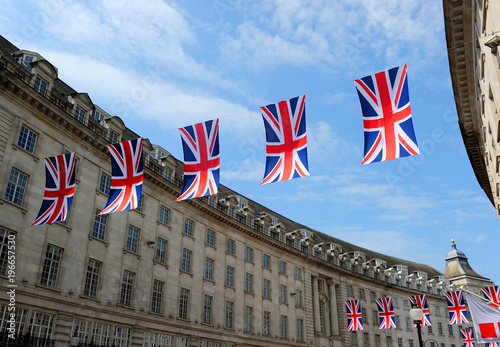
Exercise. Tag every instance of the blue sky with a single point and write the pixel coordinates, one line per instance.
(161, 65)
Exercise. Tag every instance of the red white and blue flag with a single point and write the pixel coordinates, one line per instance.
(286, 140)
(492, 294)
(386, 313)
(354, 317)
(493, 344)
(456, 307)
(421, 302)
(201, 159)
(468, 337)
(59, 189)
(387, 121)
(126, 176)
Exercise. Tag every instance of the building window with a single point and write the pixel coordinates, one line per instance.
(210, 238)
(99, 230)
(230, 246)
(398, 322)
(410, 343)
(377, 340)
(298, 298)
(353, 339)
(284, 327)
(209, 269)
(406, 304)
(207, 309)
(249, 254)
(40, 86)
(164, 214)
(161, 251)
(139, 204)
(429, 329)
(92, 278)
(440, 328)
(105, 184)
(283, 293)
(322, 316)
(229, 314)
(230, 276)
(16, 187)
(27, 139)
(132, 238)
(364, 317)
(436, 308)
(300, 330)
(127, 288)
(157, 296)
(400, 342)
(375, 318)
(349, 290)
(113, 137)
(408, 323)
(450, 330)
(298, 273)
(282, 267)
(372, 296)
(79, 114)
(5, 237)
(248, 319)
(266, 261)
(267, 324)
(184, 304)
(361, 293)
(186, 260)
(41, 325)
(389, 341)
(395, 302)
(249, 283)
(51, 264)
(188, 227)
(266, 293)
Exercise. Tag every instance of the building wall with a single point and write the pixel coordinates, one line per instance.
(475, 73)
(54, 309)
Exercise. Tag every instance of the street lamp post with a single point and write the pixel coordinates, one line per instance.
(74, 340)
(417, 314)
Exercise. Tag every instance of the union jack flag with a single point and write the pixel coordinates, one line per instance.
(354, 317)
(59, 189)
(386, 313)
(201, 159)
(127, 174)
(493, 344)
(492, 294)
(468, 337)
(421, 302)
(456, 307)
(387, 121)
(286, 140)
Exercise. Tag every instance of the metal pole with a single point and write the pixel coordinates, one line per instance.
(420, 343)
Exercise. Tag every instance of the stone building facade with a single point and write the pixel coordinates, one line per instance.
(218, 271)
(473, 37)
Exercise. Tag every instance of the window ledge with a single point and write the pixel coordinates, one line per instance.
(165, 225)
(250, 262)
(250, 293)
(156, 314)
(231, 254)
(23, 210)
(189, 236)
(92, 238)
(39, 285)
(124, 306)
(187, 273)
(160, 263)
(211, 246)
(228, 287)
(89, 298)
(140, 212)
(16, 147)
(125, 251)
(208, 280)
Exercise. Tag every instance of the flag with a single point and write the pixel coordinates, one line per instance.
(421, 301)
(201, 159)
(486, 320)
(286, 140)
(127, 174)
(354, 318)
(493, 344)
(387, 121)
(468, 337)
(386, 313)
(456, 307)
(162, 336)
(59, 189)
(492, 294)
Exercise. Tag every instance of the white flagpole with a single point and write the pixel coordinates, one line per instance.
(478, 296)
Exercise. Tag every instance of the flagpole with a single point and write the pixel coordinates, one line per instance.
(480, 297)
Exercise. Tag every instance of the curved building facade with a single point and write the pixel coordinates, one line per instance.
(218, 271)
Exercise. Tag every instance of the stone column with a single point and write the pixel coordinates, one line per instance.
(317, 328)
(137, 337)
(334, 318)
(62, 329)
